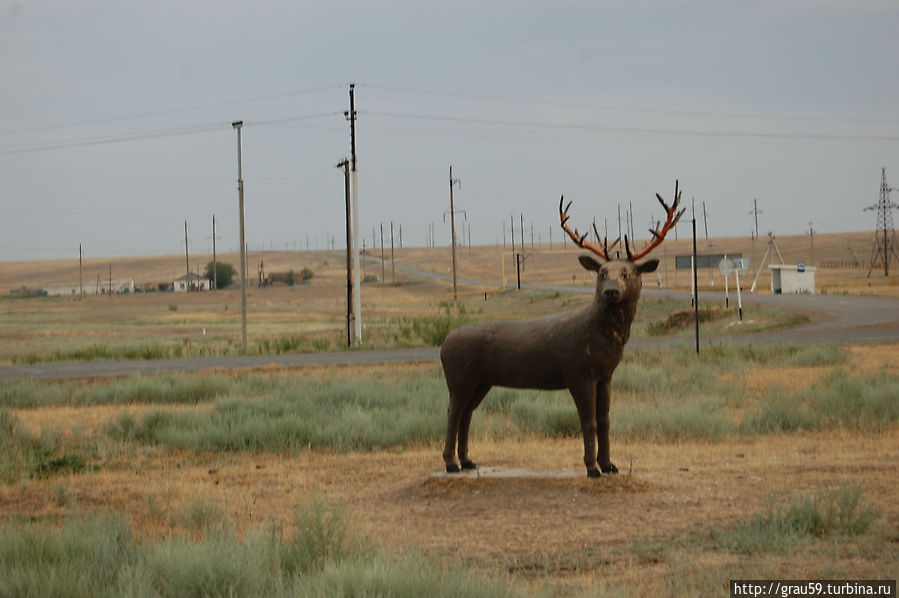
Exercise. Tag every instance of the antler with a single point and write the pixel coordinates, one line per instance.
(601, 250)
(658, 234)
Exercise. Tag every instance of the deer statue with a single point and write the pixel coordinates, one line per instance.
(578, 350)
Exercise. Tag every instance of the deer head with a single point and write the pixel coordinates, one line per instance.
(619, 279)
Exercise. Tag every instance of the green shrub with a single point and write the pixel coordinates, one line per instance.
(832, 511)
(546, 414)
(100, 556)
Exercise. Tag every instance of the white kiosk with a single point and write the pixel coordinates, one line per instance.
(797, 279)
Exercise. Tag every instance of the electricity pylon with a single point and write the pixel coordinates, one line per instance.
(884, 242)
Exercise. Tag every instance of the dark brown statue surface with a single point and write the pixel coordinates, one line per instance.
(578, 350)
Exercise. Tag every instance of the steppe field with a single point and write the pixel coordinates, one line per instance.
(742, 462)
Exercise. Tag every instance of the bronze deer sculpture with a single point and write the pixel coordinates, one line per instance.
(578, 350)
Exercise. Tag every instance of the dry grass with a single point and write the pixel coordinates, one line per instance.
(639, 530)
(575, 531)
(204, 323)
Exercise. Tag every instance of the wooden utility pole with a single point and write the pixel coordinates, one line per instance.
(243, 244)
(345, 164)
(452, 183)
(215, 273)
(80, 273)
(392, 258)
(186, 256)
(381, 225)
(357, 296)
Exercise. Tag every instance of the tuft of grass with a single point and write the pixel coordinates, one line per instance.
(672, 420)
(341, 414)
(549, 414)
(163, 389)
(323, 536)
(682, 319)
(292, 344)
(840, 399)
(832, 511)
(199, 514)
(27, 455)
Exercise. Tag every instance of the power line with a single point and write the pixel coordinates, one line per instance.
(616, 108)
(636, 130)
(118, 138)
(151, 134)
(170, 111)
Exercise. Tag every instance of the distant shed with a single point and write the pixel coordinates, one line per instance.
(795, 279)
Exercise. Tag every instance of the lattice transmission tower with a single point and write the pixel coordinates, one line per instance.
(884, 244)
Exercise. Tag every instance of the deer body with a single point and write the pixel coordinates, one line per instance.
(577, 350)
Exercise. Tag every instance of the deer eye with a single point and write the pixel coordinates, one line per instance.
(603, 275)
(624, 275)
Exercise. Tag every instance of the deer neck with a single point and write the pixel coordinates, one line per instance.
(613, 320)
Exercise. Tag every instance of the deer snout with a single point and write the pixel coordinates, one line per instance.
(611, 294)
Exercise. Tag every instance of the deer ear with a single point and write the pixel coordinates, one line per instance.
(648, 266)
(589, 263)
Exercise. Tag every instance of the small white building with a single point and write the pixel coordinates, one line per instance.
(192, 282)
(796, 279)
(119, 286)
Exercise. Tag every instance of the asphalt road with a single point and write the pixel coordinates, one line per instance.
(833, 318)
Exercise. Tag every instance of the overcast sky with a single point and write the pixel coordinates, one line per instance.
(115, 117)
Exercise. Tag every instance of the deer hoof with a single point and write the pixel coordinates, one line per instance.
(593, 473)
(468, 465)
(452, 468)
(610, 469)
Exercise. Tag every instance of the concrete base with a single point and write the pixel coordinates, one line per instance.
(509, 473)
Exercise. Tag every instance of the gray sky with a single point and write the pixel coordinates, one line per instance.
(115, 117)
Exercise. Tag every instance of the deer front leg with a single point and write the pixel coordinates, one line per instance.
(602, 432)
(584, 396)
(454, 414)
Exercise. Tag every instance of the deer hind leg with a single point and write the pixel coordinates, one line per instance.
(584, 396)
(477, 396)
(461, 395)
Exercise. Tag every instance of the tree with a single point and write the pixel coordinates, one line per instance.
(224, 274)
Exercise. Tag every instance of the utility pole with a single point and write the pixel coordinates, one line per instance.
(243, 243)
(618, 251)
(392, 257)
(695, 281)
(357, 296)
(215, 269)
(755, 212)
(186, 256)
(521, 232)
(453, 182)
(512, 229)
(708, 244)
(630, 222)
(811, 236)
(80, 272)
(381, 224)
(345, 164)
